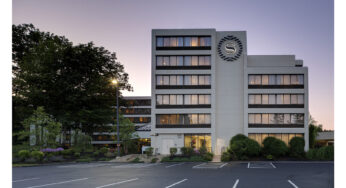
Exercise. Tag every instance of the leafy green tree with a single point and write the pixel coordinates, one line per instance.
(41, 128)
(127, 133)
(72, 83)
(313, 131)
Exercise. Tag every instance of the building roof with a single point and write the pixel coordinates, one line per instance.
(325, 135)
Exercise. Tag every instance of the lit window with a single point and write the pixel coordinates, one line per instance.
(194, 80)
(265, 118)
(172, 99)
(194, 41)
(173, 41)
(194, 60)
(265, 80)
(265, 99)
(287, 80)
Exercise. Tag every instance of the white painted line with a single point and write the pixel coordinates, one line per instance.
(224, 164)
(176, 183)
(273, 165)
(174, 165)
(25, 180)
(117, 183)
(236, 183)
(57, 183)
(199, 165)
(248, 165)
(294, 185)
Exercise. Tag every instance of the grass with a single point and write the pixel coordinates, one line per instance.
(24, 165)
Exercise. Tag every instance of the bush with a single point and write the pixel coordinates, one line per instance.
(238, 137)
(76, 155)
(269, 157)
(67, 152)
(24, 154)
(297, 147)
(208, 156)
(325, 153)
(96, 154)
(104, 150)
(311, 154)
(149, 151)
(203, 150)
(275, 147)
(154, 160)
(88, 160)
(173, 151)
(109, 155)
(244, 148)
(225, 156)
(187, 151)
(37, 155)
(136, 160)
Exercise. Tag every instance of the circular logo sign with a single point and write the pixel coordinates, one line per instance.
(230, 48)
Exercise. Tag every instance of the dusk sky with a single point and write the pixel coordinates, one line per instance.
(274, 27)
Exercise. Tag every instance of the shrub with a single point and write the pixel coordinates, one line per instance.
(37, 155)
(203, 150)
(84, 160)
(311, 154)
(154, 160)
(253, 148)
(269, 157)
(187, 151)
(67, 152)
(24, 154)
(96, 154)
(325, 153)
(208, 156)
(136, 160)
(197, 159)
(297, 147)
(173, 151)
(149, 151)
(238, 137)
(104, 150)
(275, 147)
(76, 155)
(225, 156)
(109, 154)
(165, 159)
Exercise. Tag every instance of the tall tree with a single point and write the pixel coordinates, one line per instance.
(71, 82)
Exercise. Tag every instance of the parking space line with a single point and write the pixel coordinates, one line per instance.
(57, 183)
(273, 165)
(117, 183)
(174, 165)
(199, 165)
(248, 165)
(176, 183)
(25, 180)
(236, 183)
(224, 164)
(294, 185)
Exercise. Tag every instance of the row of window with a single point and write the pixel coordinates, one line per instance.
(138, 102)
(183, 61)
(182, 119)
(196, 141)
(183, 41)
(276, 119)
(285, 137)
(183, 80)
(272, 79)
(136, 111)
(140, 119)
(276, 99)
(182, 99)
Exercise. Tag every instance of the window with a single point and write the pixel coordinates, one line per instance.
(300, 99)
(166, 42)
(159, 41)
(272, 119)
(258, 80)
(180, 80)
(187, 99)
(207, 60)
(204, 41)
(258, 119)
(194, 80)
(180, 99)
(165, 80)
(300, 79)
(265, 80)
(294, 80)
(194, 99)
(159, 60)
(287, 99)
(180, 41)
(187, 41)
(187, 80)
(279, 99)
(165, 99)
(180, 61)
(279, 79)
(294, 99)
(271, 80)
(251, 118)
(194, 61)
(173, 60)
(271, 99)
(173, 80)
(194, 41)
(165, 61)
(159, 99)
(257, 99)
(159, 80)
(251, 79)
(265, 118)
(251, 99)
(287, 80)
(173, 41)
(172, 99)
(265, 99)
(187, 60)
(287, 119)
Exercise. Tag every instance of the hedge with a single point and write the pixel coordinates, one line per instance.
(296, 148)
(273, 146)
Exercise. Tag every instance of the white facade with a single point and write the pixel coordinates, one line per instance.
(228, 92)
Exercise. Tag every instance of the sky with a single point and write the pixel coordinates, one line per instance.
(304, 28)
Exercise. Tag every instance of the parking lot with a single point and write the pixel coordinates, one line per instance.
(179, 175)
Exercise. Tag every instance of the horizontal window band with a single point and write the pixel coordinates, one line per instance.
(185, 126)
(276, 106)
(184, 106)
(182, 67)
(276, 125)
(185, 48)
(274, 86)
(183, 87)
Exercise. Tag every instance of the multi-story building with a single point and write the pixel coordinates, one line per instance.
(138, 111)
(206, 89)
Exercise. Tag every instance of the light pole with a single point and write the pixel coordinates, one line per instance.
(115, 82)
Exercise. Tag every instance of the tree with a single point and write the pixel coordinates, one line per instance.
(127, 133)
(41, 128)
(313, 131)
(71, 82)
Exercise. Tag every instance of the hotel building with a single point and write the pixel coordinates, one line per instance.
(206, 89)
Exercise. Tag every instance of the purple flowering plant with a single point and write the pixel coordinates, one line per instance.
(50, 150)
